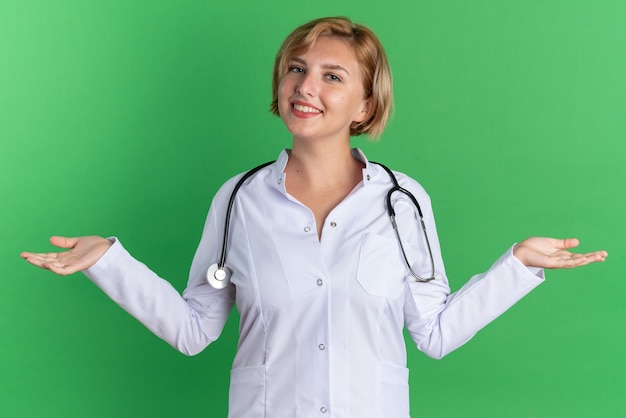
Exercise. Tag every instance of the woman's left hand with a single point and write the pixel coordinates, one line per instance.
(552, 253)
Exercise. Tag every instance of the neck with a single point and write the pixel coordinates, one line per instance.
(322, 166)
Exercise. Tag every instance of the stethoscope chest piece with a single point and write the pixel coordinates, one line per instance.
(218, 277)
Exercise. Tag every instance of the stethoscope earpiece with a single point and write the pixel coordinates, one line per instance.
(218, 277)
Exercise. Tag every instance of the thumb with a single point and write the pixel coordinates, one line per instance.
(568, 243)
(63, 242)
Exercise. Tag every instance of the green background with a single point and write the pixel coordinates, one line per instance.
(124, 117)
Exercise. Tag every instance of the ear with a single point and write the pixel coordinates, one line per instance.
(364, 113)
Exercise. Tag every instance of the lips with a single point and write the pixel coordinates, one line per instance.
(305, 108)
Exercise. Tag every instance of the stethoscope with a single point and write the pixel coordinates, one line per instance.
(218, 274)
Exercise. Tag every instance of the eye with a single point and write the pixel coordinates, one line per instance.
(333, 77)
(295, 69)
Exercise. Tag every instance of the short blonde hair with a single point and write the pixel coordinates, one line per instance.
(375, 70)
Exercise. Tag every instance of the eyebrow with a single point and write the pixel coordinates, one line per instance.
(325, 66)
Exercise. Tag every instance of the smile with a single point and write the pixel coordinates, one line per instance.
(305, 109)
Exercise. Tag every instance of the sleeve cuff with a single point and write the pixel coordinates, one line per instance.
(537, 272)
(107, 259)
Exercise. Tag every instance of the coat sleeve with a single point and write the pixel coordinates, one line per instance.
(439, 321)
(189, 322)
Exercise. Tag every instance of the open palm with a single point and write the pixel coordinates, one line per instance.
(552, 253)
(83, 253)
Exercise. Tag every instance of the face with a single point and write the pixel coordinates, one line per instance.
(322, 93)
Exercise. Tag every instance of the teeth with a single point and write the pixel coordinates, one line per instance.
(305, 109)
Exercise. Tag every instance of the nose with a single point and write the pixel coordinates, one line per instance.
(306, 85)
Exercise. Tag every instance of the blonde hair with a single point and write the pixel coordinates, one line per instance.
(375, 70)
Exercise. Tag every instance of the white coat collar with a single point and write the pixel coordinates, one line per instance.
(371, 172)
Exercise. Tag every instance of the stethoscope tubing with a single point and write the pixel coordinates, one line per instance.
(218, 274)
(392, 216)
(222, 260)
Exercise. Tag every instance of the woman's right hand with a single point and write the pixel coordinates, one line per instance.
(83, 253)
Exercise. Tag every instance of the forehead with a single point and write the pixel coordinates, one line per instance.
(328, 50)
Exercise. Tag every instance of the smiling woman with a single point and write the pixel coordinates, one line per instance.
(363, 49)
(322, 94)
(323, 289)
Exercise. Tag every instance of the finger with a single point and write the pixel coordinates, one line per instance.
(39, 260)
(50, 261)
(579, 260)
(60, 268)
(597, 256)
(569, 243)
(26, 254)
(43, 257)
(63, 242)
(35, 261)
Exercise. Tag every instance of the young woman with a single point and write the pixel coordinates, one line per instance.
(322, 285)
